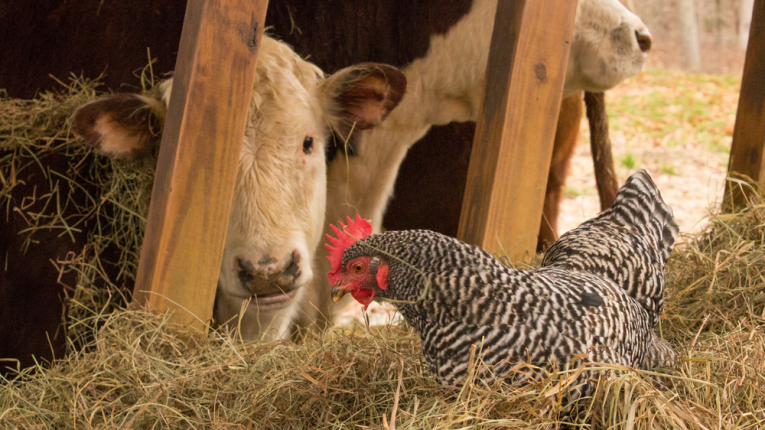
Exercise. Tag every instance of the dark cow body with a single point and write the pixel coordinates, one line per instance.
(57, 37)
(336, 33)
(24, 329)
(39, 262)
(89, 37)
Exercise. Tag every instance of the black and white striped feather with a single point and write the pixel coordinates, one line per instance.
(628, 243)
(455, 295)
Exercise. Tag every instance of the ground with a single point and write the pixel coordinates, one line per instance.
(675, 125)
(678, 126)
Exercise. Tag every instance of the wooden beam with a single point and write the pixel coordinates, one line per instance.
(514, 135)
(199, 157)
(746, 152)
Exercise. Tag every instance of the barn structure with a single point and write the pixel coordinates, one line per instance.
(506, 182)
(221, 37)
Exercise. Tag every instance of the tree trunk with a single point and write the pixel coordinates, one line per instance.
(718, 23)
(744, 22)
(690, 32)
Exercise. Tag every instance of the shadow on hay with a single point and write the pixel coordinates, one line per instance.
(70, 228)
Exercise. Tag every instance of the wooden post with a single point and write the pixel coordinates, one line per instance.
(199, 158)
(514, 135)
(746, 152)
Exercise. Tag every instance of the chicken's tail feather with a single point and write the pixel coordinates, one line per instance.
(660, 354)
(639, 204)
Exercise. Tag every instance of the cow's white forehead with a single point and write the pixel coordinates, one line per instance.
(285, 101)
(279, 188)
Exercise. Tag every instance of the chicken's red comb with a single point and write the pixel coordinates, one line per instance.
(346, 236)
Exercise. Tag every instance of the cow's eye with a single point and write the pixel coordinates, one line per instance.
(308, 145)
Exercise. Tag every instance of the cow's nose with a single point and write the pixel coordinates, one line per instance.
(292, 264)
(643, 39)
(265, 274)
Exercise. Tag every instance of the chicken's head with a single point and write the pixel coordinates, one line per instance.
(362, 275)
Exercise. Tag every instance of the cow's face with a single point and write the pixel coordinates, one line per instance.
(277, 213)
(609, 45)
(278, 207)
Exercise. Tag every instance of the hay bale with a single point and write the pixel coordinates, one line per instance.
(716, 281)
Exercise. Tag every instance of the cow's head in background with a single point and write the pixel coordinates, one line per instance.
(610, 44)
(277, 215)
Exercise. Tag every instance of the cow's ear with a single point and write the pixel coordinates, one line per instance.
(360, 97)
(121, 126)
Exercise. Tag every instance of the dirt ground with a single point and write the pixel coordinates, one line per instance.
(677, 126)
(691, 192)
(691, 177)
(696, 186)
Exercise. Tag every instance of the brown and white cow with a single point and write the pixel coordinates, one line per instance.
(445, 85)
(277, 214)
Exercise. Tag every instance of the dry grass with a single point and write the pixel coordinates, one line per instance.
(85, 195)
(138, 371)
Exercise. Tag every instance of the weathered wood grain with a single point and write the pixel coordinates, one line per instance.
(198, 159)
(749, 133)
(514, 135)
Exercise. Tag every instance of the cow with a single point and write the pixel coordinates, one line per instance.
(277, 215)
(443, 51)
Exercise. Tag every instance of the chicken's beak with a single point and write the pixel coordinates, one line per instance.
(337, 293)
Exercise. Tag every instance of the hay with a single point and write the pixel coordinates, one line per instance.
(716, 281)
(84, 194)
(137, 370)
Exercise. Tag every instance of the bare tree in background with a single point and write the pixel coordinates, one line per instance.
(718, 23)
(744, 22)
(690, 34)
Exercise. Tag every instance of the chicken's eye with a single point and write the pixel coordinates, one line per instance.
(358, 267)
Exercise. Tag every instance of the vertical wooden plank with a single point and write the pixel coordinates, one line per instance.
(746, 152)
(516, 127)
(198, 159)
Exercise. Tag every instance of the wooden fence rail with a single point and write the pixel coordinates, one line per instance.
(514, 134)
(746, 152)
(198, 159)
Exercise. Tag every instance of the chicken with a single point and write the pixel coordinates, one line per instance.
(597, 296)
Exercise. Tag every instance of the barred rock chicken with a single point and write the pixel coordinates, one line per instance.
(598, 294)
